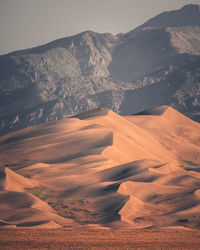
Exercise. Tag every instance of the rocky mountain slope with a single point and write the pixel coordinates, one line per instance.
(155, 64)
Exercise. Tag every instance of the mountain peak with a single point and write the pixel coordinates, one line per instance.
(190, 7)
(189, 15)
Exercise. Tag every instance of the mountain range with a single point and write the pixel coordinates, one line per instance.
(87, 136)
(158, 63)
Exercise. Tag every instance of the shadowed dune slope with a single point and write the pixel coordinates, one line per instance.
(100, 169)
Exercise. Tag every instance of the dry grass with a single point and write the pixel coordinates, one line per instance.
(98, 239)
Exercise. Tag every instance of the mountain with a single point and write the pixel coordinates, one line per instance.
(154, 64)
(104, 170)
(186, 16)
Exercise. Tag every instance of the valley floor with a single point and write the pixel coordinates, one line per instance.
(98, 239)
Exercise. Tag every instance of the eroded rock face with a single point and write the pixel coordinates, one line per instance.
(155, 64)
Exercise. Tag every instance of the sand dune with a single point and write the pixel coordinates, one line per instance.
(19, 208)
(102, 169)
(15, 182)
(177, 133)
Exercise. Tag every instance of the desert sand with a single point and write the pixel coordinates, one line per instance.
(98, 239)
(101, 170)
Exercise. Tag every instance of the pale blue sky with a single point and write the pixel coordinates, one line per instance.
(28, 23)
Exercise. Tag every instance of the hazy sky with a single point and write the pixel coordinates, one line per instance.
(28, 23)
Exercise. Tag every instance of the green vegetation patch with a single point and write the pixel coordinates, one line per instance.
(81, 210)
(190, 163)
(42, 192)
(55, 204)
(191, 166)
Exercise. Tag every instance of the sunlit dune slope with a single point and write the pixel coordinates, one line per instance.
(101, 169)
(177, 133)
